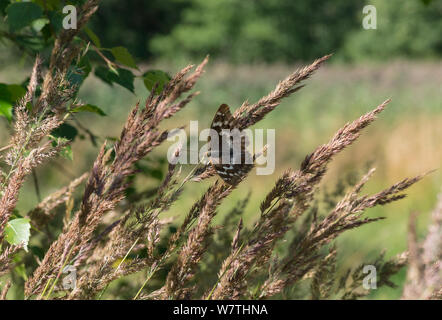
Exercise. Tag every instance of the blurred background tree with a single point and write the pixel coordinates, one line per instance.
(272, 30)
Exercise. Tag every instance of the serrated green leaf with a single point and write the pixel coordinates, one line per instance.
(21, 14)
(17, 232)
(88, 108)
(123, 56)
(155, 76)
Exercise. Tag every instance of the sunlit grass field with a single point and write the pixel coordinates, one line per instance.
(405, 141)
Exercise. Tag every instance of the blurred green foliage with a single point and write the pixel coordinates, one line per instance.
(134, 23)
(405, 29)
(246, 31)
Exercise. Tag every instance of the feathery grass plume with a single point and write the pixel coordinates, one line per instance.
(196, 245)
(5, 290)
(219, 248)
(5, 258)
(107, 180)
(247, 115)
(47, 113)
(23, 165)
(197, 241)
(346, 215)
(182, 269)
(62, 55)
(43, 212)
(140, 225)
(349, 286)
(424, 275)
(323, 276)
(12, 182)
(175, 242)
(289, 199)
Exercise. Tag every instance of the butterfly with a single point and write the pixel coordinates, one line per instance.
(233, 171)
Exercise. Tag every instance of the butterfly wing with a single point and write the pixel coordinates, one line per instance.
(229, 172)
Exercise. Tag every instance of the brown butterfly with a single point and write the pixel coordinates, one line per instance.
(232, 171)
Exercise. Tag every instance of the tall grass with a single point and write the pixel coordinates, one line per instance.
(289, 250)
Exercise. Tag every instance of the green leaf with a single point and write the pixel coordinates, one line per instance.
(155, 76)
(88, 108)
(65, 131)
(16, 91)
(94, 38)
(103, 73)
(39, 24)
(6, 109)
(17, 232)
(123, 56)
(11, 92)
(85, 65)
(123, 77)
(21, 14)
